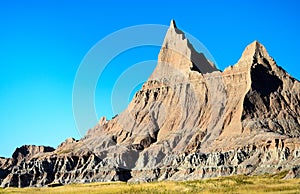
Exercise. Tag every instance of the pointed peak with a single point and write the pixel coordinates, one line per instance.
(254, 50)
(173, 24)
(176, 43)
(256, 42)
(257, 46)
(175, 38)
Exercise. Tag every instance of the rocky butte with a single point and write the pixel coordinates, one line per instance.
(189, 121)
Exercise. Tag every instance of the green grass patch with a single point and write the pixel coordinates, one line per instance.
(230, 184)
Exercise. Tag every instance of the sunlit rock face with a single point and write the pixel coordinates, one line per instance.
(189, 121)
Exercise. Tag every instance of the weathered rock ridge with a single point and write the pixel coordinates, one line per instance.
(189, 121)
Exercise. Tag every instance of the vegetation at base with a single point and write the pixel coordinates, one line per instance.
(231, 184)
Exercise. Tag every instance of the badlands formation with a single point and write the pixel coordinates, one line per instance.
(189, 121)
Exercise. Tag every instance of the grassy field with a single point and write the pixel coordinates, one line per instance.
(233, 184)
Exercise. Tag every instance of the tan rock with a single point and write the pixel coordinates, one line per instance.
(189, 121)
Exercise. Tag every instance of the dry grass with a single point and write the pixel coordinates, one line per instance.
(233, 184)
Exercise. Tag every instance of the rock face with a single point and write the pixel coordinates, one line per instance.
(28, 151)
(189, 121)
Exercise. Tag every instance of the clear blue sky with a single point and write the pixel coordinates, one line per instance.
(43, 42)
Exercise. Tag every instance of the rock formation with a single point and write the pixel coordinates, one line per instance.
(189, 121)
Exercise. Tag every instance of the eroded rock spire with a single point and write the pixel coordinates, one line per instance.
(254, 51)
(178, 52)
